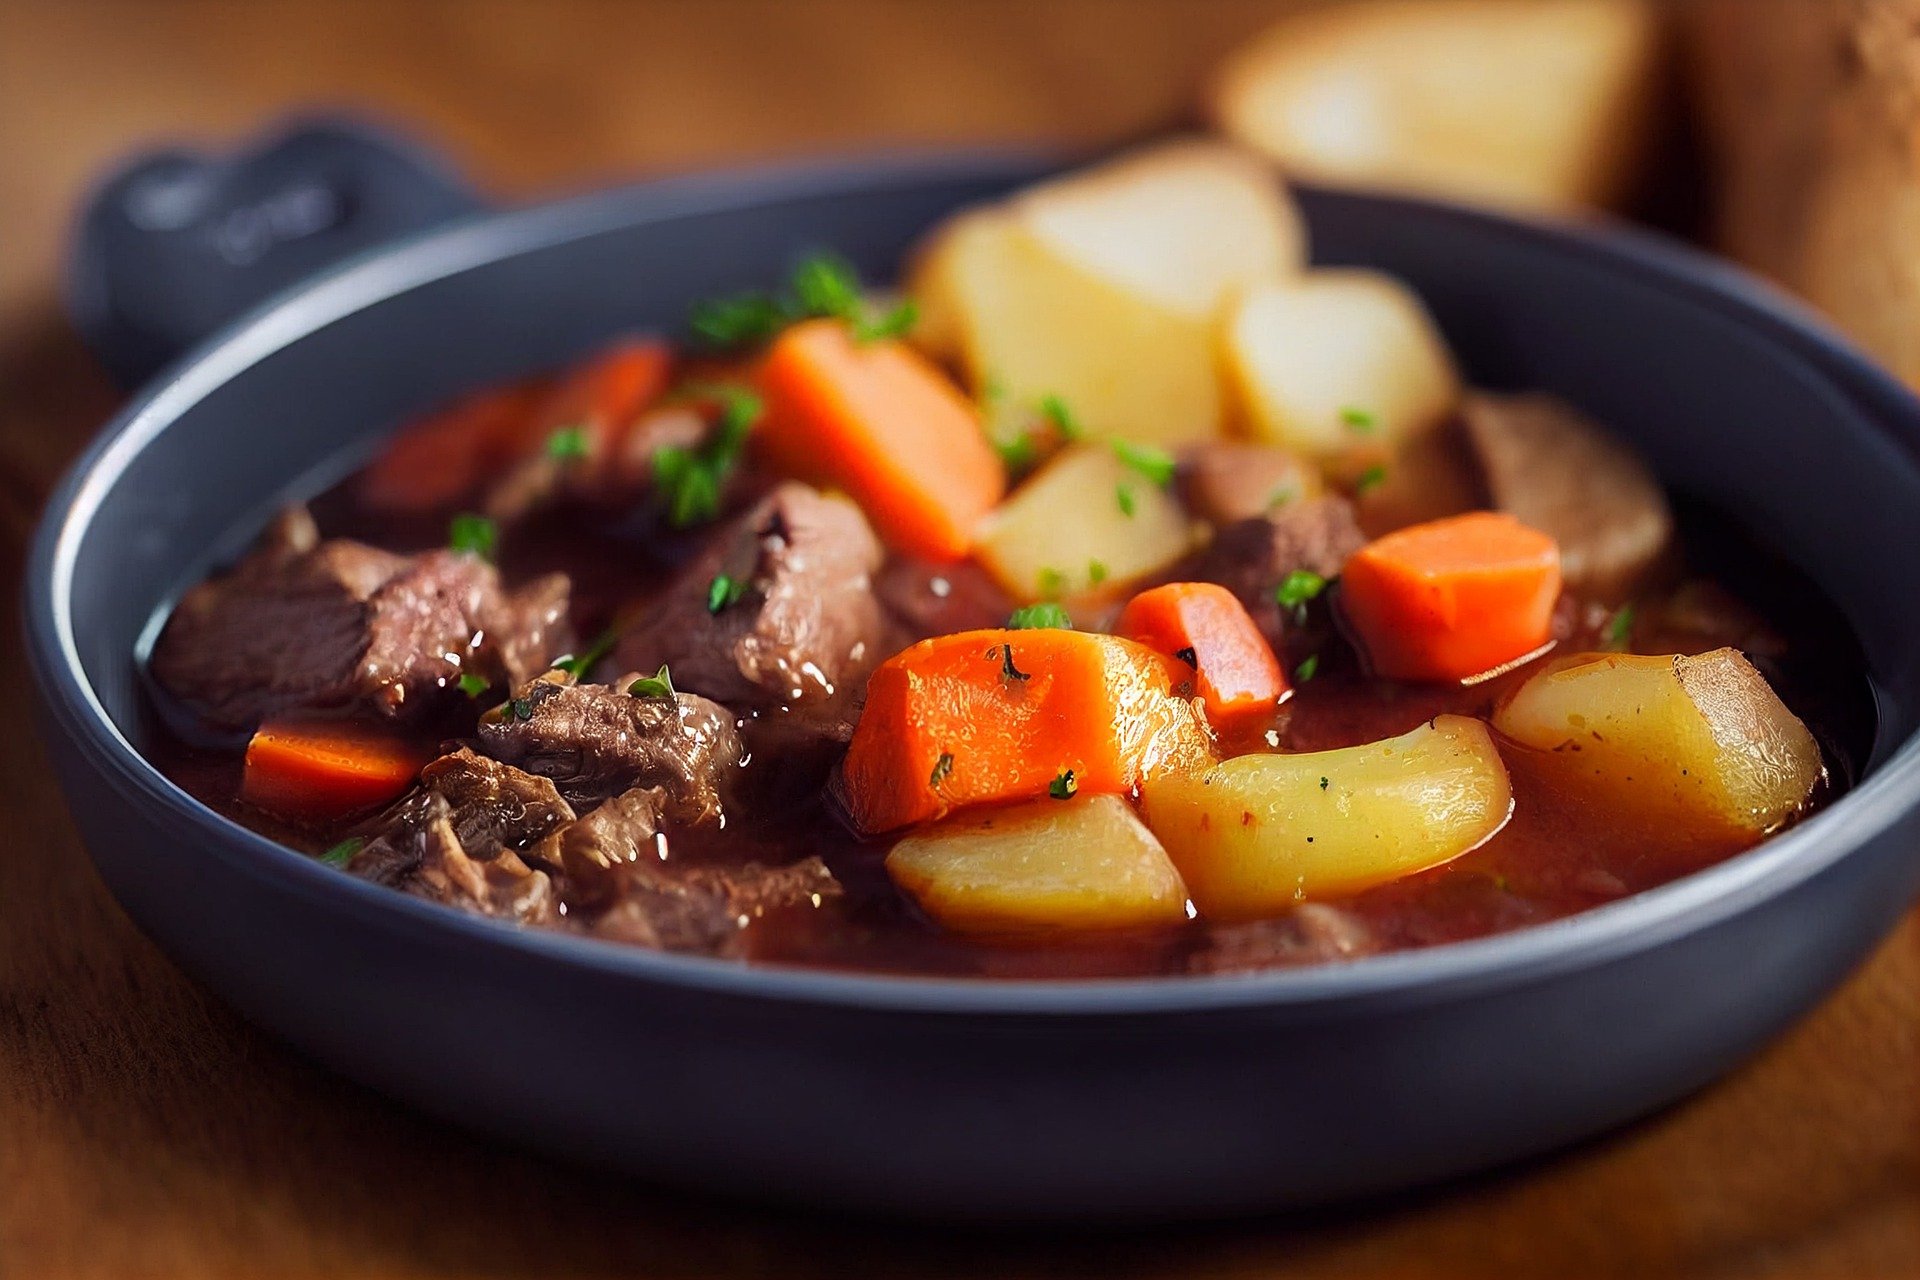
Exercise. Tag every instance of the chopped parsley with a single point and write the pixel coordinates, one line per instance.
(341, 854)
(1007, 668)
(1359, 421)
(1096, 572)
(1055, 410)
(1323, 782)
(1052, 582)
(825, 284)
(1370, 479)
(657, 685)
(569, 444)
(578, 666)
(1308, 668)
(1016, 454)
(1064, 786)
(473, 535)
(519, 709)
(1037, 616)
(1123, 494)
(745, 320)
(821, 285)
(724, 591)
(1297, 589)
(1155, 464)
(1620, 627)
(896, 323)
(942, 770)
(473, 684)
(1281, 496)
(690, 481)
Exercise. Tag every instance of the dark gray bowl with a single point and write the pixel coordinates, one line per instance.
(1103, 1099)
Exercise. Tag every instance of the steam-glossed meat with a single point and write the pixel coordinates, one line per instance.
(302, 623)
(708, 908)
(1253, 557)
(596, 741)
(806, 624)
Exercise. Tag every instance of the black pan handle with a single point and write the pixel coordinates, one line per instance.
(175, 243)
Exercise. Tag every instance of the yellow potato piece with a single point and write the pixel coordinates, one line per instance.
(1310, 356)
(1105, 288)
(1257, 834)
(1085, 863)
(1068, 530)
(1702, 743)
(1543, 104)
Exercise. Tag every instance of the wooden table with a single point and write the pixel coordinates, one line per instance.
(145, 1130)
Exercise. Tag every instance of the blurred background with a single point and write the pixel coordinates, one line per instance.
(144, 1130)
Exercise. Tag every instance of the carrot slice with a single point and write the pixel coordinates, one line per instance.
(436, 460)
(1205, 625)
(878, 421)
(1454, 598)
(319, 770)
(602, 396)
(982, 717)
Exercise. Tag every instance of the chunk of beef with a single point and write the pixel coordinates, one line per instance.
(940, 599)
(1228, 480)
(305, 623)
(806, 624)
(456, 838)
(1312, 933)
(707, 909)
(596, 741)
(1555, 470)
(1253, 557)
(589, 853)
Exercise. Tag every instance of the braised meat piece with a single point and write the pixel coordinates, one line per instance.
(597, 741)
(1312, 933)
(780, 610)
(1228, 480)
(1253, 557)
(707, 909)
(306, 623)
(456, 838)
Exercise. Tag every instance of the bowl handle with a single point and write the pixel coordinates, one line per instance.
(175, 243)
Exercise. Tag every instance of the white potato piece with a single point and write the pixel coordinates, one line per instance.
(1538, 104)
(1085, 521)
(1699, 744)
(1339, 362)
(1554, 470)
(1080, 864)
(1257, 834)
(1105, 287)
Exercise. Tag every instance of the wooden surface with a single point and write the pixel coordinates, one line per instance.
(145, 1130)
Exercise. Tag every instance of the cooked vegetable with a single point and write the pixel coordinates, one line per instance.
(1452, 599)
(437, 460)
(1046, 538)
(1302, 352)
(1007, 711)
(879, 422)
(1086, 864)
(1205, 626)
(1700, 744)
(1104, 287)
(1560, 473)
(1256, 834)
(325, 770)
(1518, 102)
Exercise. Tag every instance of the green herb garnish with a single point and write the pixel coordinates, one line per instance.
(473, 684)
(1370, 479)
(1064, 786)
(825, 284)
(657, 685)
(822, 284)
(577, 667)
(519, 709)
(896, 323)
(1323, 782)
(569, 444)
(1155, 464)
(341, 854)
(1052, 582)
(1016, 454)
(1035, 617)
(1309, 668)
(1055, 410)
(1620, 627)
(1123, 494)
(1096, 572)
(1359, 421)
(473, 535)
(1298, 588)
(691, 480)
(942, 769)
(724, 591)
(1281, 496)
(745, 320)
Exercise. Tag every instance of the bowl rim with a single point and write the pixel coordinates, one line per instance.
(1408, 978)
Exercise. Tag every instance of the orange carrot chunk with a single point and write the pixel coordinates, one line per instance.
(879, 422)
(320, 770)
(1205, 625)
(435, 461)
(1454, 598)
(601, 397)
(981, 717)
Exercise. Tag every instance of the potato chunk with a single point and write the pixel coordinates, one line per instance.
(1259, 833)
(1338, 363)
(1518, 102)
(1085, 863)
(1105, 287)
(1700, 744)
(1086, 520)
